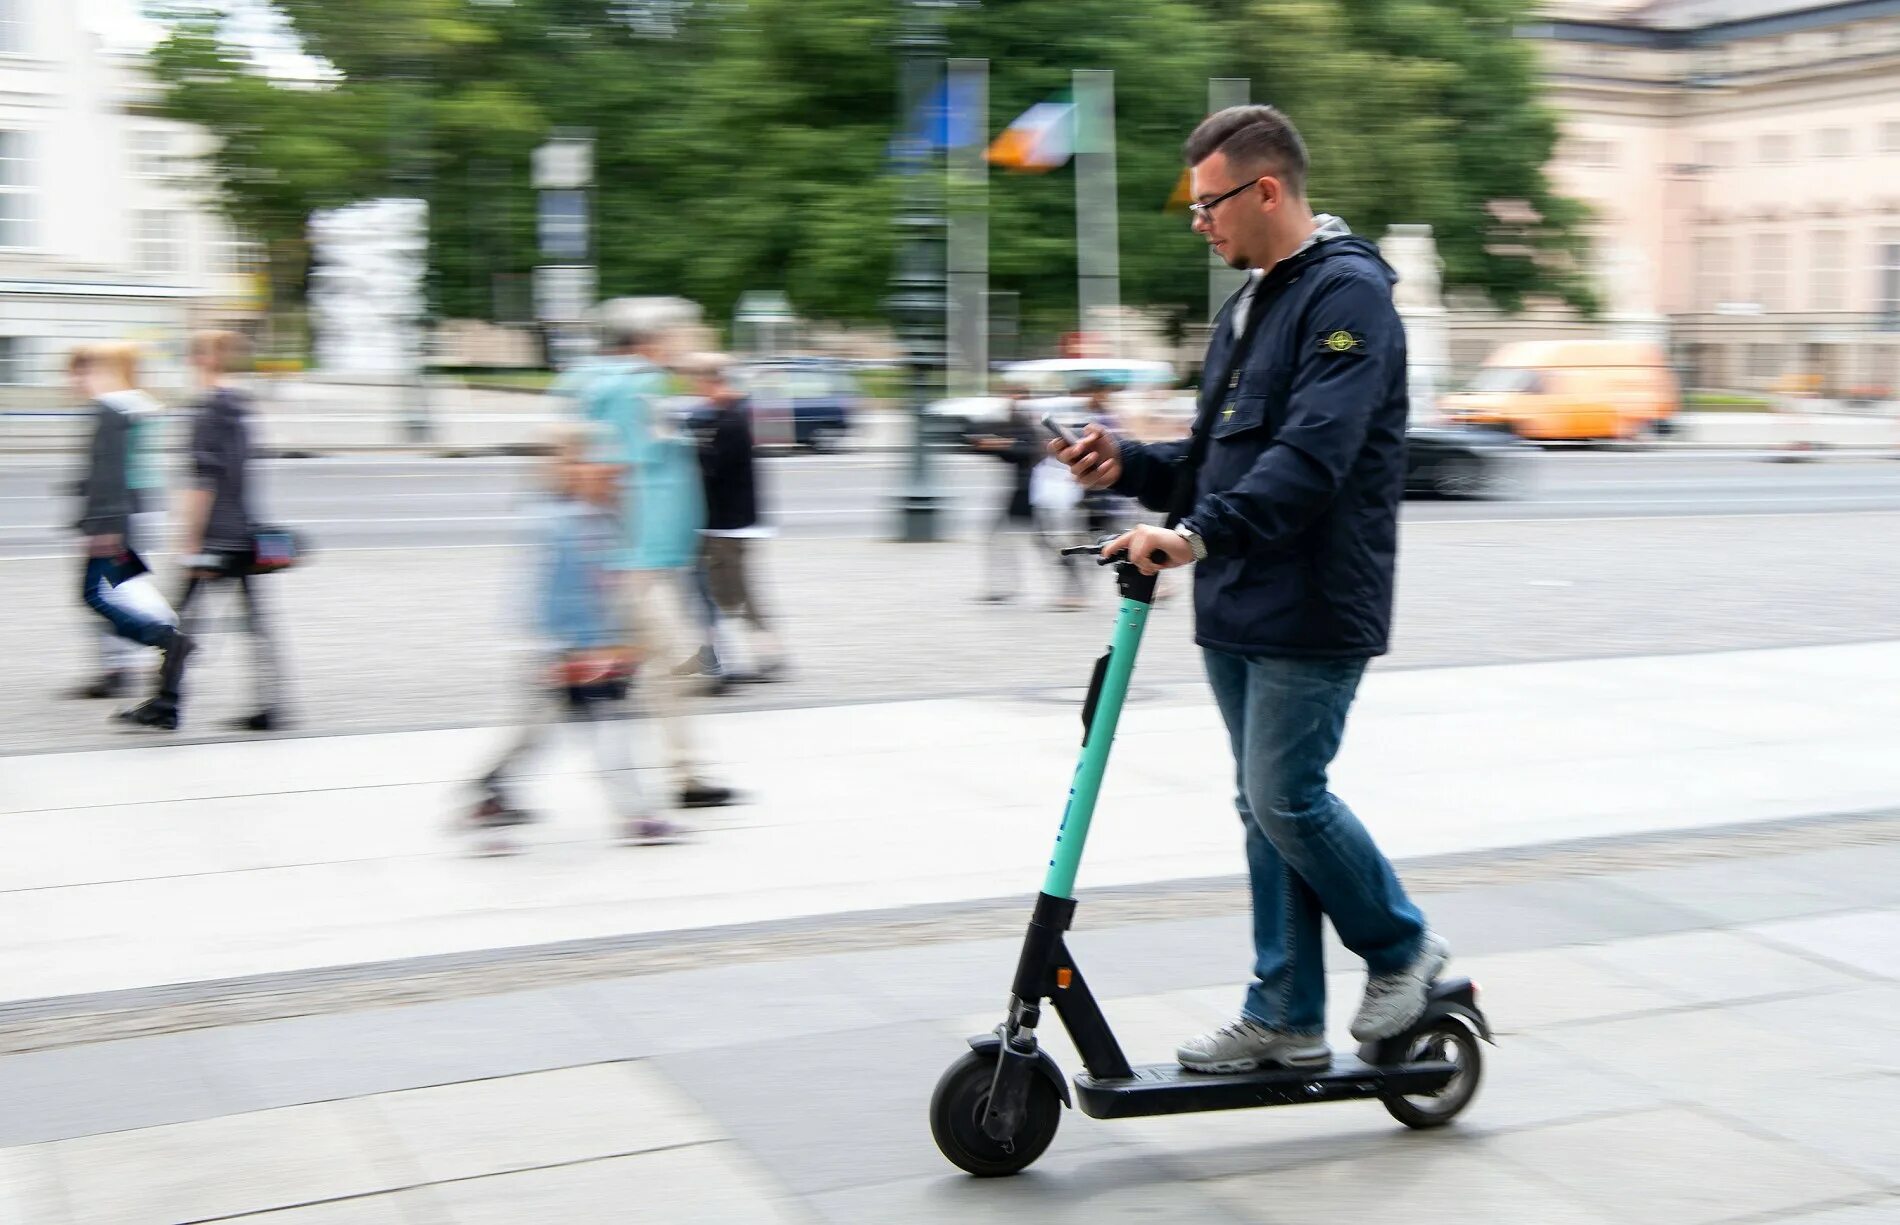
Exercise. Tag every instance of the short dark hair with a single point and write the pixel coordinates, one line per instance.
(1253, 136)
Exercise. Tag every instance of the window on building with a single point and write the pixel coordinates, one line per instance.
(1833, 142)
(13, 31)
(1596, 153)
(151, 152)
(1764, 363)
(1714, 257)
(237, 255)
(1774, 148)
(19, 193)
(161, 246)
(1887, 269)
(1771, 271)
(16, 367)
(1890, 136)
(1714, 154)
(1827, 270)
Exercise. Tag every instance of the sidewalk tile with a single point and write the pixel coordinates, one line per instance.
(546, 1118)
(1867, 875)
(1735, 890)
(1443, 1179)
(1855, 1027)
(1853, 1118)
(704, 1184)
(1711, 966)
(719, 1006)
(386, 1209)
(829, 1111)
(1867, 940)
(1884, 1211)
(349, 1054)
(1542, 987)
(29, 1187)
(1689, 1054)
(1062, 1188)
(221, 1167)
(1675, 1167)
(106, 1086)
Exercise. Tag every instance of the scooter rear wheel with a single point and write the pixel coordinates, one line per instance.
(1451, 1041)
(956, 1119)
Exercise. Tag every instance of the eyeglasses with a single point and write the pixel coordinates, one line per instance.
(1204, 212)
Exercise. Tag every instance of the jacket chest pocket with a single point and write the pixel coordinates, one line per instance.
(1255, 400)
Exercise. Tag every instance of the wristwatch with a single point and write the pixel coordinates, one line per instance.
(1194, 541)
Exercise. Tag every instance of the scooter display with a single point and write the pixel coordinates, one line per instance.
(996, 1109)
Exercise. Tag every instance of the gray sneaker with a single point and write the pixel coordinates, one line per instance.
(1243, 1045)
(1394, 1001)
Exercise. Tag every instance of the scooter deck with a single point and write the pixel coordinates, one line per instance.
(1169, 1088)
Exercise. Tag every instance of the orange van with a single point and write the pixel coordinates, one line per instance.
(1552, 390)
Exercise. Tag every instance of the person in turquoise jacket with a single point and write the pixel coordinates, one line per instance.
(627, 391)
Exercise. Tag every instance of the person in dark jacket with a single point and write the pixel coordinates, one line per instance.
(1018, 443)
(729, 475)
(1293, 534)
(109, 503)
(217, 530)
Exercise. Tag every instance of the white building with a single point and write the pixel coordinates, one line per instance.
(1743, 161)
(107, 230)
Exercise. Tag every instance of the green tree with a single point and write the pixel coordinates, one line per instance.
(744, 144)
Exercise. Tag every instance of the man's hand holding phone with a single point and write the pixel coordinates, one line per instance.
(1093, 457)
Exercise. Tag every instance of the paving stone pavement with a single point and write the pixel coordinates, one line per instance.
(1701, 1041)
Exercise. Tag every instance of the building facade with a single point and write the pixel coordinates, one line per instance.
(1743, 159)
(107, 229)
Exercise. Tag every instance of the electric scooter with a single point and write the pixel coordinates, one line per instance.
(995, 1110)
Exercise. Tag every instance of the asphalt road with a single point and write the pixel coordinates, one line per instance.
(405, 503)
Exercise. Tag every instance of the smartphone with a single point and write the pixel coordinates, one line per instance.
(1060, 430)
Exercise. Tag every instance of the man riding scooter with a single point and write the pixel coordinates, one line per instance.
(1293, 533)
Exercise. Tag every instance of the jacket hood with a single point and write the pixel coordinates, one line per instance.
(1343, 244)
(133, 403)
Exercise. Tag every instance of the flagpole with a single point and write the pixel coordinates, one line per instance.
(1222, 281)
(1097, 233)
(917, 283)
(968, 322)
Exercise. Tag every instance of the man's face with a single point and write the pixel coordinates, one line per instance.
(1235, 227)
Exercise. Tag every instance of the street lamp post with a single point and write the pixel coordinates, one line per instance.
(918, 290)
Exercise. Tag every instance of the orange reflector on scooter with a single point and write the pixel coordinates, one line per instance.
(1064, 977)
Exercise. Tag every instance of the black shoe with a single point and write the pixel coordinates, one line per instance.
(265, 720)
(105, 685)
(158, 713)
(707, 795)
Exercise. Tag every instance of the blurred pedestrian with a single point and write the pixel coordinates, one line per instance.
(108, 506)
(1103, 512)
(217, 532)
(1023, 524)
(662, 510)
(734, 526)
(580, 660)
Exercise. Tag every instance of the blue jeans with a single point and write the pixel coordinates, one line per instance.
(1307, 855)
(102, 575)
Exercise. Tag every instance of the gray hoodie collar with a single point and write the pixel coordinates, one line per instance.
(133, 402)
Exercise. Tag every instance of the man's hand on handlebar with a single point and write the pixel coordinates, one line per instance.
(1095, 461)
(1152, 549)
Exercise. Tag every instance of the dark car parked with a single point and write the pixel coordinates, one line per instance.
(806, 404)
(1450, 461)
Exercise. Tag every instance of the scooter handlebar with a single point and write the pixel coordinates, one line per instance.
(1107, 559)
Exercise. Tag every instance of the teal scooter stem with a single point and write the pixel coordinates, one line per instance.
(996, 1108)
(1100, 714)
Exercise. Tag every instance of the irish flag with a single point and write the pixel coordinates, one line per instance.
(1042, 138)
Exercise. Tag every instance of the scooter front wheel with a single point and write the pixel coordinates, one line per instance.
(1445, 1040)
(956, 1119)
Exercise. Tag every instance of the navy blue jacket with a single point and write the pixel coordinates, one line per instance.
(1298, 496)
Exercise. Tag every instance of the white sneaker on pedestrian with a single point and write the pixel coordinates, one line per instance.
(1395, 1001)
(1246, 1044)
